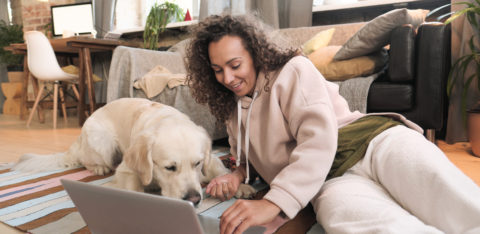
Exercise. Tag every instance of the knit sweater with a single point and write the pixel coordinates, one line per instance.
(293, 131)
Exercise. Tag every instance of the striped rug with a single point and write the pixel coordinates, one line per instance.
(37, 202)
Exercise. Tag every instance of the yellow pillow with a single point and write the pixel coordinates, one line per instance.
(318, 41)
(72, 69)
(340, 70)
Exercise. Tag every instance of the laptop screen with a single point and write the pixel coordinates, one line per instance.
(77, 18)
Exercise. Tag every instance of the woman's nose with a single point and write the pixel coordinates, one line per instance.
(228, 76)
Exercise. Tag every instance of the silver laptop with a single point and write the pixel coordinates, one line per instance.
(110, 210)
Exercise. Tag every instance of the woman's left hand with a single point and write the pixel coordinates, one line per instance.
(246, 213)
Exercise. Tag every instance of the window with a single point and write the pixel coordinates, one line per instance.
(133, 13)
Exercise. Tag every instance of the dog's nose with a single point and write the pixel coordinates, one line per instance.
(193, 196)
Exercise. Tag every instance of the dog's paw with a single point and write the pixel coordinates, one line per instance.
(245, 191)
(98, 170)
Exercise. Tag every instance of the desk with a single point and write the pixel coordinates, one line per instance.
(83, 46)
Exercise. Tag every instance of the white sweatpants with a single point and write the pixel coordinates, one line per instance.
(404, 184)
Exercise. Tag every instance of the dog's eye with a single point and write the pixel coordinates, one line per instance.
(171, 168)
(198, 163)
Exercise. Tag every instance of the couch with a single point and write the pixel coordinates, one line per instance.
(413, 83)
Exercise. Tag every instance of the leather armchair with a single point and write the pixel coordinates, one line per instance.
(415, 82)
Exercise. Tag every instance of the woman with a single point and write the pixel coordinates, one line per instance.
(362, 173)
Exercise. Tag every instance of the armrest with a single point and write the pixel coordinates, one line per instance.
(432, 68)
(402, 54)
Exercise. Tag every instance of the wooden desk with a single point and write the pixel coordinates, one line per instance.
(83, 46)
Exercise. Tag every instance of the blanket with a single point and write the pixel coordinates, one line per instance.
(156, 80)
(131, 64)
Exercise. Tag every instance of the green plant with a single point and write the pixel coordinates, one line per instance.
(10, 33)
(471, 60)
(157, 20)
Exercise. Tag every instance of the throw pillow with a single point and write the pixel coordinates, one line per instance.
(376, 33)
(320, 40)
(72, 69)
(340, 70)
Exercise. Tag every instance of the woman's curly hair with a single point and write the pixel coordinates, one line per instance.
(200, 76)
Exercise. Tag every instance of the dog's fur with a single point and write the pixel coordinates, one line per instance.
(152, 147)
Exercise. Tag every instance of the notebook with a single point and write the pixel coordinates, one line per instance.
(111, 210)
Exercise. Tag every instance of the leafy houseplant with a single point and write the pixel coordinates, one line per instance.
(157, 20)
(10, 33)
(460, 70)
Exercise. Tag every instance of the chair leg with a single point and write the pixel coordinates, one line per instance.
(35, 105)
(55, 104)
(75, 91)
(62, 101)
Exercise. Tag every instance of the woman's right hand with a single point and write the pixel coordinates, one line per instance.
(225, 187)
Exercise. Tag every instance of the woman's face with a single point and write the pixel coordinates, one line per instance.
(233, 65)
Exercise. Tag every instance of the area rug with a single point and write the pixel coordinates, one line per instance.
(38, 203)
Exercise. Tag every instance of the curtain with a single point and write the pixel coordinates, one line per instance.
(103, 13)
(276, 13)
(461, 33)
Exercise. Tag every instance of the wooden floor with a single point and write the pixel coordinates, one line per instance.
(16, 139)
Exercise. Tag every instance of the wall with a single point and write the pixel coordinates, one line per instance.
(35, 14)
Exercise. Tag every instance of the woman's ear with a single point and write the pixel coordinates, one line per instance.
(139, 159)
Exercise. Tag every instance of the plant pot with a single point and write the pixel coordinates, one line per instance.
(474, 131)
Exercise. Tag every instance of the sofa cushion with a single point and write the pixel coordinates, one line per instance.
(318, 41)
(402, 54)
(339, 70)
(384, 96)
(376, 33)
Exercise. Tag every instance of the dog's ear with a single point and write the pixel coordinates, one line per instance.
(212, 166)
(138, 158)
(207, 154)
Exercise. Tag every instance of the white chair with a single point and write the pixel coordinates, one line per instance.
(43, 64)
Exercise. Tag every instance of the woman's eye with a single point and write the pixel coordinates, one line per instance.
(171, 168)
(216, 70)
(236, 66)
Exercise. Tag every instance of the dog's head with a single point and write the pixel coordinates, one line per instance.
(171, 159)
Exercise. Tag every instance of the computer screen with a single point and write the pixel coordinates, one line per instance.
(77, 18)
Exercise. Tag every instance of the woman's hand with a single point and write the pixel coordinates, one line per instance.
(246, 213)
(224, 187)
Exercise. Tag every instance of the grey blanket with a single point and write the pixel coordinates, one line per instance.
(130, 64)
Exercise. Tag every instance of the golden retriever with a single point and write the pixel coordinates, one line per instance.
(152, 147)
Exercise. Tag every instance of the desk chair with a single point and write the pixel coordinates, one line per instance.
(44, 66)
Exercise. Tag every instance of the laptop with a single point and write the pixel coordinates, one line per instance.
(111, 210)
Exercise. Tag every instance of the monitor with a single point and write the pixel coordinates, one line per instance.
(77, 18)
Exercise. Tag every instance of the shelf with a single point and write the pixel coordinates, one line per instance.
(118, 33)
(366, 3)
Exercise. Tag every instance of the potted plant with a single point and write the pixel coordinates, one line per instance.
(10, 33)
(461, 70)
(157, 20)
